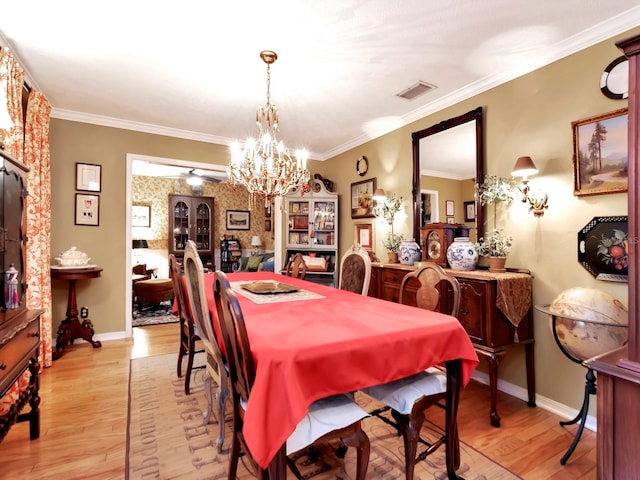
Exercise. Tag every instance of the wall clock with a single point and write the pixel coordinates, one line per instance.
(362, 166)
(614, 82)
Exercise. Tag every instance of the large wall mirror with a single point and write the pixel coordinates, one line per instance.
(450, 151)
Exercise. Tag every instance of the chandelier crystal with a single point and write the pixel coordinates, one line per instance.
(264, 165)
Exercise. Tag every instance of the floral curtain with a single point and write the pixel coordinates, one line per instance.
(37, 158)
(28, 141)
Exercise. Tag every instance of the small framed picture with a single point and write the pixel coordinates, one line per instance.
(469, 211)
(88, 177)
(238, 220)
(267, 225)
(450, 208)
(451, 220)
(87, 209)
(141, 216)
(364, 235)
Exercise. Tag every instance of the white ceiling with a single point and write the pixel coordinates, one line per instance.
(192, 68)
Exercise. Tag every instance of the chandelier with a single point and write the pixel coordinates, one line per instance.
(264, 165)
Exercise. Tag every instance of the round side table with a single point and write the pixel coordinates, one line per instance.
(71, 328)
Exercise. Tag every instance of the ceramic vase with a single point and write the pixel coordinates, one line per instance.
(496, 264)
(462, 254)
(393, 257)
(409, 252)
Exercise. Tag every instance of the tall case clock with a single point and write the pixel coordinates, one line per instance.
(436, 238)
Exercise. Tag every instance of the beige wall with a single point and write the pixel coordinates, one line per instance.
(528, 116)
(532, 116)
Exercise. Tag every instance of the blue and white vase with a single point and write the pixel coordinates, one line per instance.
(409, 252)
(462, 254)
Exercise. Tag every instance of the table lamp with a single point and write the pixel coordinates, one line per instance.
(256, 243)
(136, 245)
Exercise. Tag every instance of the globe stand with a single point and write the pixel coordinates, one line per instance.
(589, 389)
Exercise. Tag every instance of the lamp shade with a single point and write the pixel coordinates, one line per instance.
(140, 244)
(524, 167)
(379, 195)
(255, 241)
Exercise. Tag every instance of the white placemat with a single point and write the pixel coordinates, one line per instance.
(274, 297)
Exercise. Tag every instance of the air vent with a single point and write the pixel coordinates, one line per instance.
(414, 90)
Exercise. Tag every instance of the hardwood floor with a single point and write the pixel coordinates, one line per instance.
(84, 420)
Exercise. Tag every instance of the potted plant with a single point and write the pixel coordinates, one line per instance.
(495, 190)
(392, 244)
(496, 247)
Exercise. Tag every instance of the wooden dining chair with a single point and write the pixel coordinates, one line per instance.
(355, 270)
(296, 267)
(217, 370)
(409, 398)
(189, 338)
(331, 418)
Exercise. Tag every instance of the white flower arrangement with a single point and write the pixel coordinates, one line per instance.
(392, 242)
(495, 244)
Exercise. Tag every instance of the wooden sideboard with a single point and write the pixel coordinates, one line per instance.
(491, 331)
(19, 346)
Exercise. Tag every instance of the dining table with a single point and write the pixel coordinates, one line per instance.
(311, 341)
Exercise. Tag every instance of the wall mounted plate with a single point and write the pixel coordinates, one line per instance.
(614, 82)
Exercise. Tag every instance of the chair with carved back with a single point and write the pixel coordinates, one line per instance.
(355, 270)
(189, 338)
(332, 418)
(409, 398)
(215, 363)
(296, 267)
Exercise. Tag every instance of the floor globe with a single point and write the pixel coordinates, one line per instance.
(588, 322)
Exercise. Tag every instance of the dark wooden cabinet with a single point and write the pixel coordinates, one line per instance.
(19, 327)
(191, 218)
(490, 331)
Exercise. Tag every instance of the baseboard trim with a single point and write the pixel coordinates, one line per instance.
(541, 401)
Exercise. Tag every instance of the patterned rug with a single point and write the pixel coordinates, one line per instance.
(166, 438)
(153, 315)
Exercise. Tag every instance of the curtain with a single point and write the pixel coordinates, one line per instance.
(12, 78)
(38, 206)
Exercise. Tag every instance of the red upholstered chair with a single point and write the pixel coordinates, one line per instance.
(216, 365)
(409, 398)
(189, 339)
(336, 417)
(296, 267)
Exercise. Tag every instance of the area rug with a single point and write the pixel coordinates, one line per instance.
(153, 315)
(167, 440)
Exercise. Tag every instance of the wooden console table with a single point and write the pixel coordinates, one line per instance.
(485, 299)
(71, 328)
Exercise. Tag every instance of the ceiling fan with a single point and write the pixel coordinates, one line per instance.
(193, 176)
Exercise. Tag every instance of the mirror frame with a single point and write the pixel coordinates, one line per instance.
(472, 116)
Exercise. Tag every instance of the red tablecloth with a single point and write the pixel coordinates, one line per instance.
(309, 349)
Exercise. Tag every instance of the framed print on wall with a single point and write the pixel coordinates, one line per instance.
(362, 198)
(364, 235)
(87, 209)
(141, 216)
(600, 154)
(450, 208)
(88, 177)
(469, 211)
(238, 220)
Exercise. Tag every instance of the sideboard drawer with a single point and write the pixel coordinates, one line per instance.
(473, 307)
(16, 353)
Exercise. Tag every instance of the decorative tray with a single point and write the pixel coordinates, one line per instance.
(602, 248)
(269, 286)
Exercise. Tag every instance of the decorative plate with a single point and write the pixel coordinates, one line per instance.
(614, 82)
(72, 267)
(602, 248)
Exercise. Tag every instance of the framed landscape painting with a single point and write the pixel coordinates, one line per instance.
(600, 156)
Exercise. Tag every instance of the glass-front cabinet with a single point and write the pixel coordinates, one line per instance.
(191, 218)
(312, 229)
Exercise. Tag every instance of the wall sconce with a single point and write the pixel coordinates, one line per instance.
(537, 200)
